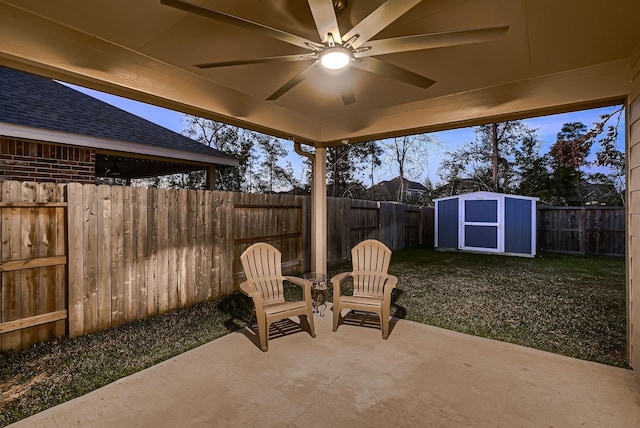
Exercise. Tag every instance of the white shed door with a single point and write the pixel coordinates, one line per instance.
(480, 225)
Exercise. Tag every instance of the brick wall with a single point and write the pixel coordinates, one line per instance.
(27, 160)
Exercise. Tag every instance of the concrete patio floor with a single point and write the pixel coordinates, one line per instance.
(421, 376)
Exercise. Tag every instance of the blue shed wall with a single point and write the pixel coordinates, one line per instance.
(448, 223)
(517, 226)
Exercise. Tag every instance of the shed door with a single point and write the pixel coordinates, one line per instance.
(447, 224)
(480, 226)
(519, 226)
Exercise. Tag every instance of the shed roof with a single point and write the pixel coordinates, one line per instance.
(480, 195)
(28, 102)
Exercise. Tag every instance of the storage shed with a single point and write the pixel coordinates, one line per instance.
(487, 222)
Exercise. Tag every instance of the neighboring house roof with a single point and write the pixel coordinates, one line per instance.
(388, 190)
(38, 108)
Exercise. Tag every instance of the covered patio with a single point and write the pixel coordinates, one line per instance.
(255, 64)
(420, 376)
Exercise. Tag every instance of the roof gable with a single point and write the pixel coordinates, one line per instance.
(35, 102)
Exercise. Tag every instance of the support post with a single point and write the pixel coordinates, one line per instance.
(211, 177)
(318, 207)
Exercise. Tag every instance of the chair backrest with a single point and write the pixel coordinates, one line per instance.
(370, 260)
(261, 264)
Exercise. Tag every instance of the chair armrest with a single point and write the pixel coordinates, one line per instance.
(301, 282)
(392, 281)
(298, 281)
(250, 291)
(389, 285)
(337, 280)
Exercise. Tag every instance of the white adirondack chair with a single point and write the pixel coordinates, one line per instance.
(372, 285)
(262, 267)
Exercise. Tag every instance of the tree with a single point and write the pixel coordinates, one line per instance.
(272, 175)
(344, 162)
(532, 169)
(374, 159)
(569, 153)
(408, 155)
(609, 156)
(487, 163)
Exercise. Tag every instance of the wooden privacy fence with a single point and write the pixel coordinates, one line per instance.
(350, 221)
(33, 261)
(582, 230)
(136, 252)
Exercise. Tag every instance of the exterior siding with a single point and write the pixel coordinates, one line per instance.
(27, 160)
(633, 214)
(517, 226)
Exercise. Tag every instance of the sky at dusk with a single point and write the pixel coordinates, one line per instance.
(547, 128)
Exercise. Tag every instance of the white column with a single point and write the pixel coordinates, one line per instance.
(319, 212)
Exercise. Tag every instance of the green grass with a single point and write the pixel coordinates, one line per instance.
(573, 306)
(569, 305)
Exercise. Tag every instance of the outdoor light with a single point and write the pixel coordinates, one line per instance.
(335, 58)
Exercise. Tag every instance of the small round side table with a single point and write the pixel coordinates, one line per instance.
(318, 291)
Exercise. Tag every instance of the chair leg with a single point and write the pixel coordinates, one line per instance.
(384, 322)
(312, 327)
(336, 317)
(263, 334)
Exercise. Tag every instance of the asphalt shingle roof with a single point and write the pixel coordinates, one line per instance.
(37, 102)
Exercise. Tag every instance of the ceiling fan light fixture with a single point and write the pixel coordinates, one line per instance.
(335, 58)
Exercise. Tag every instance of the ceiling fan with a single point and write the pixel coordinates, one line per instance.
(337, 51)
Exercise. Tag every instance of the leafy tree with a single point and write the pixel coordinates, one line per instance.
(609, 156)
(487, 163)
(569, 153)
(532, 169)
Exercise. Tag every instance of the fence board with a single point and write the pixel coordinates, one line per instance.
(140, 245)
(75, 217)
(104, 226)
(117, 257)
(130, 284)
(29, 304)
(190, 254)
(207, 246)
(151, 267)
(173, 249)
(61, 249)
(182, 247)
(10, 250)
(226, 240)
(46, 248)
(162, 257)
(90, 282)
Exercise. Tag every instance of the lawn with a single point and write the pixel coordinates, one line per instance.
(573, 306)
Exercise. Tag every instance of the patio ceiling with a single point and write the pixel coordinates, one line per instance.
(555, 56)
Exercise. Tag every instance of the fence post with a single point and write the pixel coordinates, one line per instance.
(583, 231)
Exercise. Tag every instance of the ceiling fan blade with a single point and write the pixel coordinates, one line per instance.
(325, 18)
(434, 40)
(374, 65)
(263, 60)
(346, 89)
(291, 83)
(378, 20)
(241, 22)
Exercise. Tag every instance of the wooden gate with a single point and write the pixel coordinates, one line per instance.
(32, 263)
